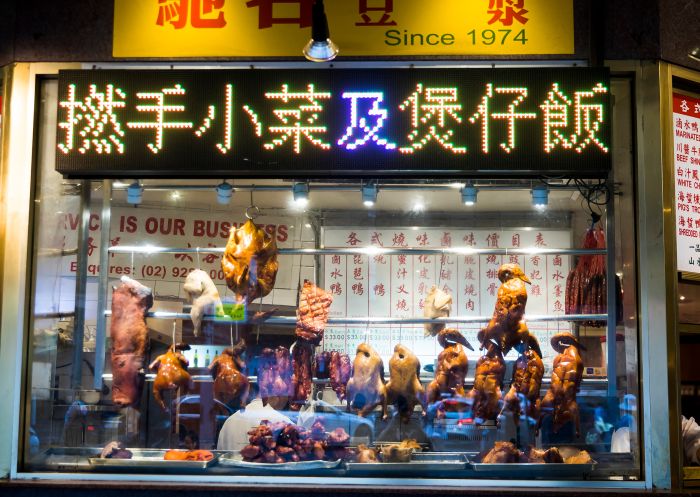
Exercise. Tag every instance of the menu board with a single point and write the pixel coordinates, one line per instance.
(686, 154)
(382, 285)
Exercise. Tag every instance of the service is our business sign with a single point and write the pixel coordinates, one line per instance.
(280, 28)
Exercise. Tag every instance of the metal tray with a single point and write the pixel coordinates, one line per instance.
(151, 459)
(420, 462)
(235, 460)
(533, 470)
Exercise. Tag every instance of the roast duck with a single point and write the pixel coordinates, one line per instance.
(527, 381)
(171, 372)
(404, 389)
(437, 304)
(250, 262)
(204, 296)
(452, 366)
(231, 385)
(488, 381)
(130, 303)
(560, 399)
(302, 357)
(275, 376)
(366, 389)
(506, 326)
(340, 373)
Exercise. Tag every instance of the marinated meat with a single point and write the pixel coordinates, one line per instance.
(115, 450)
(366, 389)
(322, 365)
(488, 381)
(301, 379)
(437, 304)
(507, 326)
(250, 262)
(275, 377)
(560, 399)
(312, 313)
(340, 372)
(171, 369)
(204, 296)
(452, 366)
(527, 381)
(582, 457)
(188, 455)
(129, 333)
(502, 453)
(231, 385)
(404, 389)
(366, 454)
(549, 456)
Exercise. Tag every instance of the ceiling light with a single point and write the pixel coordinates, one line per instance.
(369, 195)
(695, 54)
(682, 297)
(134, 193)
(320, 48)
(301, 194)
(540, 196)
(469, 195)
(175, 195)
(307, 225)
(119, 184)
(457, 185)
(418, 206)
(224, 192)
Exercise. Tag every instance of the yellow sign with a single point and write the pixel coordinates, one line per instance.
(280, 28)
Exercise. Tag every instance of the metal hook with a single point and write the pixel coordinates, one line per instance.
(256, 210)
(198, 262)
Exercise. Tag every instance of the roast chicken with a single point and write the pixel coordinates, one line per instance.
(302, 356)
(560, 399)
(437, 304)
(312, 313)
(366, 389)
(250, 262)
(231, 385)
(340, 373)
(129, 333)
(366, 454)
(488, 381)
(503, 453)
(204, 296)
(275, 376)
(171, 372)
(549, 456)
(452, 366)
(527, 380)
(404, 389)
(507, 326)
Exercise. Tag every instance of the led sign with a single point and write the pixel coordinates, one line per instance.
(337, 122)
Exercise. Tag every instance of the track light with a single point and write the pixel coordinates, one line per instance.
(320, 48)
(469, 195)
(695, 54)
(134, 193)
(540, 196)
(369, 195)
(224, 192)
(301, 194)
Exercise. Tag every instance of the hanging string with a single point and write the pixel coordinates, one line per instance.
(132, 264)
(174, 332)
(231, 333)
(198, 263)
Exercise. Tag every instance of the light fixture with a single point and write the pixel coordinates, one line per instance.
(175, 195)
(134, 193)
(369, 195)
(301, 194)
(320, 48)
(224, 192)
(469, 194)
(540, 196)
(418, 206)
(695, 54)
(682, 297)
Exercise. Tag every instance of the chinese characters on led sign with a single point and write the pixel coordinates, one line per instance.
(358, 120)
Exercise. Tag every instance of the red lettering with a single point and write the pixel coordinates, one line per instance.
(94, 226)
(225, 229)
(73, 266)
(270, 229)
(151, 225)
(73, 221)
(198, 228)
(282, 233)
(179, 227)
(131, 224)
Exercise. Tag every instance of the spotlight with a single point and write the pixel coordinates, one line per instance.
(224, 192)
(175, 195)
(134, 193)
(540, 196)
(469, 195)
(369, 195)
(320, 48)
(301, 194)
(695, 54)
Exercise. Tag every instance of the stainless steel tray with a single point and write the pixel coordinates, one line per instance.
(236, 461)
(534, 470)
(420, 462)
(151, 459)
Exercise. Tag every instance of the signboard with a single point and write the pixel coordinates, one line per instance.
(280, 28)
(397, 285)
(339, 122)
(686, 145)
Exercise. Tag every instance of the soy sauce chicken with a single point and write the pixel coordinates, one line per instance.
(231, 385)
(172, 374)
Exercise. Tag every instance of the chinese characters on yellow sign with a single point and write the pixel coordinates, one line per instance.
(280, 28)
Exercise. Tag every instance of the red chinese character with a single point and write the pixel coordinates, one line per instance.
(536, 291)
(399, 240)
(557, 276)
(469, 240)
(379, 290)
(265, 14)
(513, 259)
(492, 289)
(557, 291)
(376, 239)
(515, 241)
(184, 257)
(422, 239)
(469, 290)
(557, 306)
(402, 259)
(556, 261)
(386, 9)
(447, 289)
(491, 259)
(423, 274)
(335, 259)
(336, 274)
(446, 240)
(352, 239)
(336, 289)
(421, 303)
(424, 259)
(469, 275)
(357, 273)
(539, 240)
(402, 289)
(176, 13)
(492, 274)
(535, 275)
(469, 305)
(469, 259)
(446, 260)
(357, 259)
(492, 240)
(211, 258)
(401, 273)
(506, 11)
(422, 288)
(379, 259)
(402, 305)
(358, 289)
(535, 260)
(445, 274)
(681, 196)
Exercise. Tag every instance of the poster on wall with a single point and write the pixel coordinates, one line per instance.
(686, 160)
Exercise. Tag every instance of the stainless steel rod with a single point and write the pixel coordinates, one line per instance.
(371, 251)
(103, 286)
(81, 286)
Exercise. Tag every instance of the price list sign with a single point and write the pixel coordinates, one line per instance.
(686, 144)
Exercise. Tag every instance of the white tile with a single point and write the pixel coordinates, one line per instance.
(285, 297)
(308, 273)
